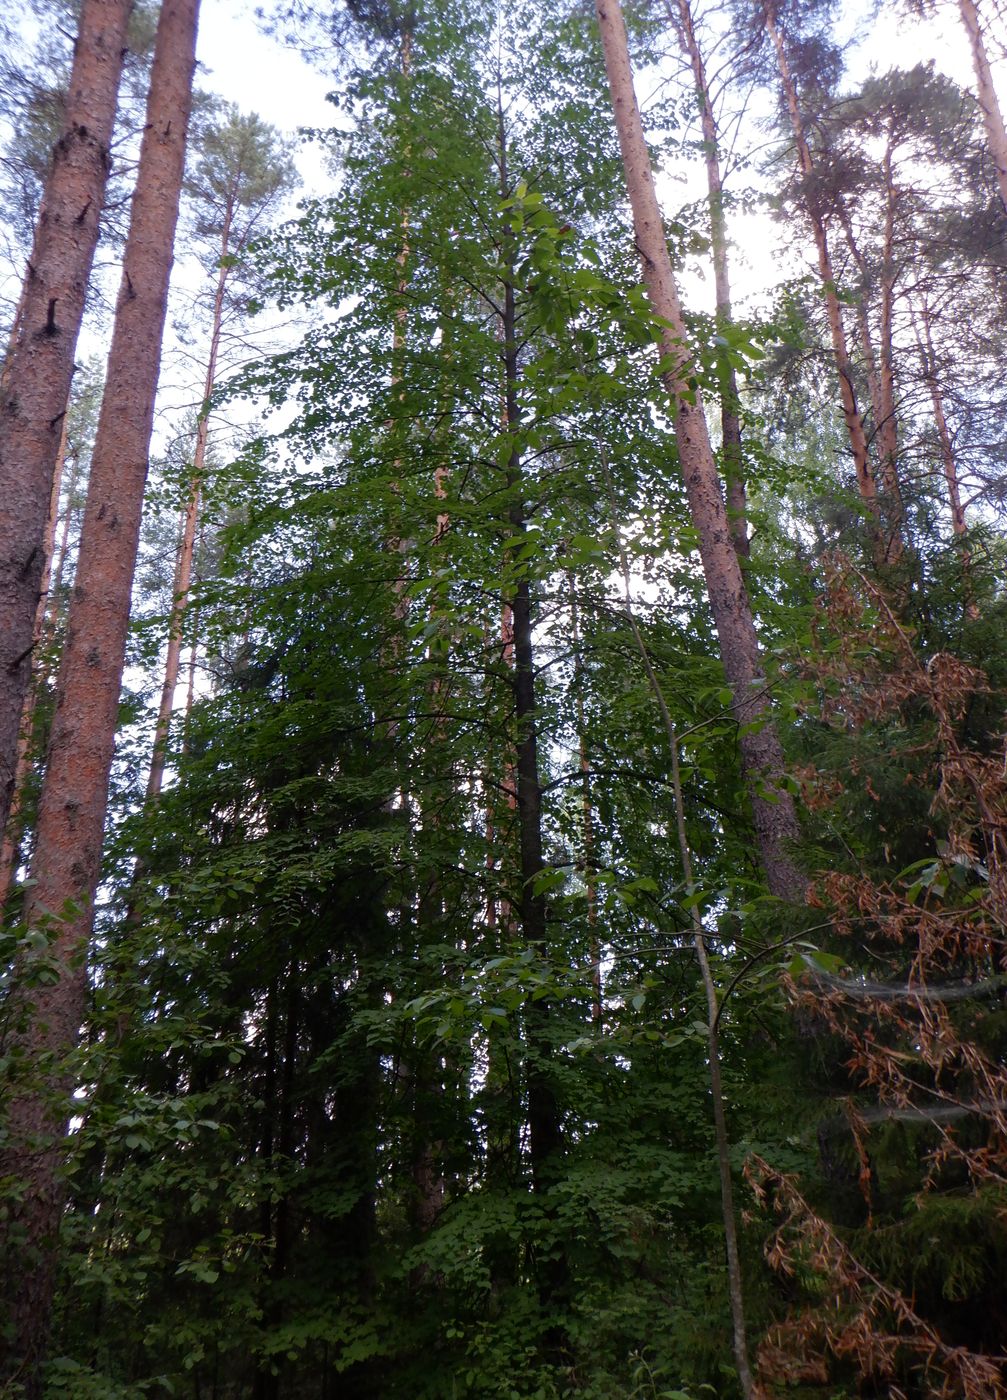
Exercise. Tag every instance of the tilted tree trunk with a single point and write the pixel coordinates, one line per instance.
(887, 545)
(762, 756)
(730, 402)
(182, 581)
(39, 369)
(67, 857)
(989, 105)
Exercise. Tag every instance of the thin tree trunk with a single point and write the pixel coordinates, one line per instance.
(886, 550)
(39, 369)
(882, 393)
(730, 401)
(508, 785)
(587, 815)
(67, 859)
(989, 105)
(888, 425)
(948, 462)
(183, 566)
(723, 1145)
(190, 688)
(397, 544)
(926, 347)
(15, 327)
(762, 756)
(55, 589)
(545, 1138)
(10, 848)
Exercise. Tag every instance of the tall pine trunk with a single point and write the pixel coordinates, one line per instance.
(67, 858)
(762, 756)
(36, 380)
(730, 400)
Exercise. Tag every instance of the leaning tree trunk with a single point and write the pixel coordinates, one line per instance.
(730, 400)
(36, 380)
(996, 135)
(67, 858)
(762, 756)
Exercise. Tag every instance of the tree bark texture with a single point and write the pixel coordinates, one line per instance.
(989, 104)
(67, 858)
(762, 756)
(730, 401)
(37, 376)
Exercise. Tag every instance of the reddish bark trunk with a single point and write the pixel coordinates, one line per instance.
(989, 105)
(762, 757)
(67, 856)
(37, 375)
(730, 402)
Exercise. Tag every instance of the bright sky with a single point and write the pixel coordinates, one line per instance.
(261, 74)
